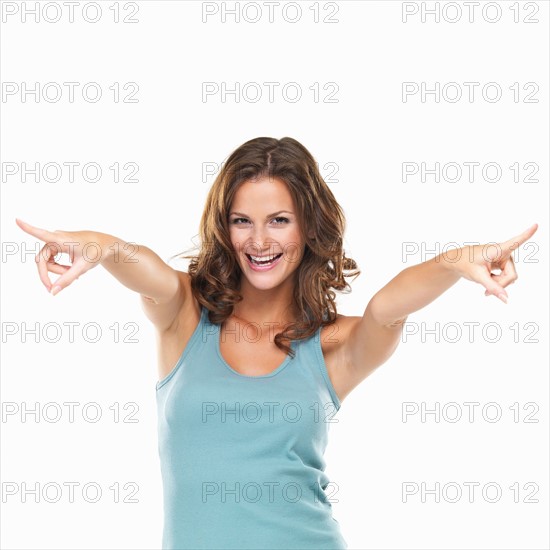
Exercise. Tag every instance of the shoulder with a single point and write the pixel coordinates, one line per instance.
(189, 312)
(333, 345)
(335, 336)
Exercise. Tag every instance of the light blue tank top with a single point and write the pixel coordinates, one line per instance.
(242, 456)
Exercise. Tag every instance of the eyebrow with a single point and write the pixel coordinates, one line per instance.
(268, 216)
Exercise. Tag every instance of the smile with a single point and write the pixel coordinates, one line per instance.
(258, 264)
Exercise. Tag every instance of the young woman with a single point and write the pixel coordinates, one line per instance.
(254, 360)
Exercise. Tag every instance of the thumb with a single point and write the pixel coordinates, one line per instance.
(492, 287)
(71, 275)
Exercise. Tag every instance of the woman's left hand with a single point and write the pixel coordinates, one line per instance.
(475, 263)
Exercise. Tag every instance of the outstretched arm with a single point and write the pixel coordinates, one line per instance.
(376, 335)
(162, 289)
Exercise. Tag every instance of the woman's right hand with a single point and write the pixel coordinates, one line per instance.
(85, 250)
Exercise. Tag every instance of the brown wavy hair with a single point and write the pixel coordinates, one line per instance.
(215, 273)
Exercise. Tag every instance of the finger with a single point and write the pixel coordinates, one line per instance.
(491, 285)
(42, 259)
(42, 234)
(511, 244)
(71, 275)
(508, 274)
(58, 269)
(45, 262)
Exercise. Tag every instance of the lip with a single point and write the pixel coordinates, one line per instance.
(255, 267)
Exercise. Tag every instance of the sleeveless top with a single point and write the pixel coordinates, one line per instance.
(242, 456)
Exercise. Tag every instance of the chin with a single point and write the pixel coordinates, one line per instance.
(262, 281)
(267, 283)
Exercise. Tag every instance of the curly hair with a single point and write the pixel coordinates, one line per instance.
(215, 273)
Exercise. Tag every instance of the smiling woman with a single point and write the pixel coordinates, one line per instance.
(261, 291)
(249, 375)
(243, 225)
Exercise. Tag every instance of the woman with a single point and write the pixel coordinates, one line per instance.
(254, 360)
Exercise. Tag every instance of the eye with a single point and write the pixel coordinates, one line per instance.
(279, 220)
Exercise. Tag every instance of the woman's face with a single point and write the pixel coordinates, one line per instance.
(263, 223)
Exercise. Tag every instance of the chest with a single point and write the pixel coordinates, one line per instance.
(249, 352)
(259, 395)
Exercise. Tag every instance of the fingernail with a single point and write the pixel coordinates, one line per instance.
(502, 296)
(55, 290)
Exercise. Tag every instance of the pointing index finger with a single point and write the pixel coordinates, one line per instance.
(511, 244)
(42, 234)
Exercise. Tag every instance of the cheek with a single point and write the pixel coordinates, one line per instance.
(237, 248)
(293, 249)
(235, 241)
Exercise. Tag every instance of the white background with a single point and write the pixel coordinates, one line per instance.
(170, 133)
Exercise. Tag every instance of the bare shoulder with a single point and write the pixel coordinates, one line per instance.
(333, 340)
(190, 311)
(334, 336)
(354, 347)
(172, 342)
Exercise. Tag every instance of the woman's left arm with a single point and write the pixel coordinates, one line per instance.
(376, 335)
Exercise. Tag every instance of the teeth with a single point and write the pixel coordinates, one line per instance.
(264, 258)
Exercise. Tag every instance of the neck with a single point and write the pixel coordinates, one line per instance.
(266, 306)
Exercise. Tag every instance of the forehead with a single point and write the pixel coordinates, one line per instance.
(262, 193)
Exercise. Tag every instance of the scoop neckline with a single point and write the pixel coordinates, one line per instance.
(274, 372)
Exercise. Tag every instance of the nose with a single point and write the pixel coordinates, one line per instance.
(259, 244)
